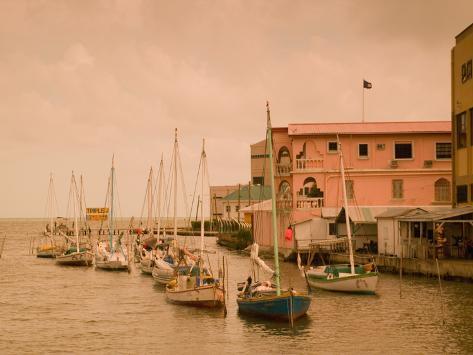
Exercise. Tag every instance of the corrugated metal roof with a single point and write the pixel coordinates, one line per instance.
(295, 129)
(439, 215)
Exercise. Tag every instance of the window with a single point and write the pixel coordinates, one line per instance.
(462, 193)
(461, 130)
(349, 185)
(332, 147)
(403, 150)
(228, 208)
(237, 208)
(443, 150)
(398, 190)
(332, 229)
(363, 150)
(258, 180)
(471, 126)
(442, 190)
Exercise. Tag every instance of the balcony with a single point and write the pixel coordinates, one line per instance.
(283, 169)
(307, 203)
(309, 164)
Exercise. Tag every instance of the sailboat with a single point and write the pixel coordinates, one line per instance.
(196, 286)
(265, 299)
(166, 260)
(75, 255)
(344, 277)
(112, 255)
(148, 247)
(49, 246)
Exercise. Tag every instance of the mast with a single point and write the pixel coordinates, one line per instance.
(110, 232)
(150, 222)
(202, 203)
(160, 187)
(175, 186)
(345, 204)
(76, 229)
(273, 201)
(50, 198)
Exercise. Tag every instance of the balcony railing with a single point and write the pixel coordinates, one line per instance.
(309, 164)
(283, 169)
(306, 203)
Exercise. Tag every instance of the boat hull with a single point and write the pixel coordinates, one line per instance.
(204, 296)
(358, 283)
(147, 266)
(275, 307)
(111, 265)
(84, 258)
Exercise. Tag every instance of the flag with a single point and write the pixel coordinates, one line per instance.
(367, 84)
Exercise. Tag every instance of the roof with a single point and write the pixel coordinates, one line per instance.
(260, 206)
(405, 127)
(464, 32)
(400, 211)
(258, 193)
(439, 215)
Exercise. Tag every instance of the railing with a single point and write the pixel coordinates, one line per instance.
(304, 202)
(284, 204)
(283, 169)
(308, 164)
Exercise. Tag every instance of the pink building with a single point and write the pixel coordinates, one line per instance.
(387, 164)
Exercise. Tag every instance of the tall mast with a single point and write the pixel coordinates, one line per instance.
(273, 200)
(150, 222)
(175, 185)
(74, 195)
(345, 203)
(160, 188)
(202, 202)
(50, 198)
(112, 173)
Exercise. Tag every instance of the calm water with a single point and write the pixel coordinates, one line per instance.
(45, 308)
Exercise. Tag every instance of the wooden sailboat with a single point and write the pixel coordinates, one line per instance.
(196, 286)
(166, 261)
(49, 244)
(344, 277)
(264, 299)
(75, 255)
(112, 255)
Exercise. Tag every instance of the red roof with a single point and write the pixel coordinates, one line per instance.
(296, 129)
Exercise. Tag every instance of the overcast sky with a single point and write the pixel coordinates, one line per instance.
(81, 80)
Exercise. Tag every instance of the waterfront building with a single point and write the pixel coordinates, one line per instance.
(388, 164)
(462, 117)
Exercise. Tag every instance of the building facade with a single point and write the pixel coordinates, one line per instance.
(462, 118)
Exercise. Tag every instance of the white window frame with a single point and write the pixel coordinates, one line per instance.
(365, 156)
(403, 142)
(443, 159)
(332, 151)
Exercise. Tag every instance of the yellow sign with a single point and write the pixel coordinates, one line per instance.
(97, 214)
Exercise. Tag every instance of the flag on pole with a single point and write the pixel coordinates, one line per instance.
(367, 84)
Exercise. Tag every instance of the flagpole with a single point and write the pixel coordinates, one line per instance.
(363, 104)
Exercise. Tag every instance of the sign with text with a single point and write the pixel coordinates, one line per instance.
(97, 214)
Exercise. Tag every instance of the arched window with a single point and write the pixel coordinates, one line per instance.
(284, 157)
(310, 188)
(443, 190)
(285, 190)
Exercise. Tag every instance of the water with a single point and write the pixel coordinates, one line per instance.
(45, 308)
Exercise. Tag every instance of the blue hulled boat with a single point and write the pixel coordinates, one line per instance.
(265, 299)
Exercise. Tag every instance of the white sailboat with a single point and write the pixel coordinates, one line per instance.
(75, 255)
(50, 246)
(196, 286)
(112, 254)
(344, 277)
(166, 262)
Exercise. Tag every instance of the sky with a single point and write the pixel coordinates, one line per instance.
(83, 80)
